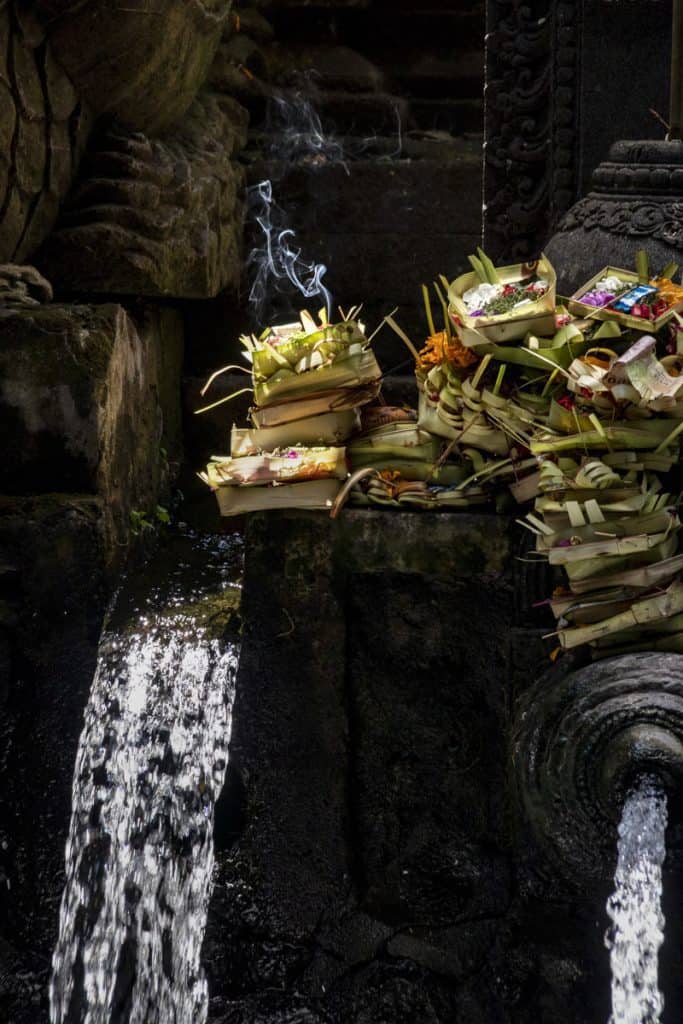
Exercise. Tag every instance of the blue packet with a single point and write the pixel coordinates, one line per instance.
(633, 297)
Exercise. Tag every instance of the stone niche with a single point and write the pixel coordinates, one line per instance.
(564, 81)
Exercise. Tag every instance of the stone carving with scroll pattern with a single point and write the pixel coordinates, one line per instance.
(636, 200)
(530, 173)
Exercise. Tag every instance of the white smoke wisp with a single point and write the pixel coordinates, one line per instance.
(295, 125)
(276, 260)
(276, 265)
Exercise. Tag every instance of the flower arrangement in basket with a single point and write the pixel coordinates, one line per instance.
(503, 304)
(633, 299)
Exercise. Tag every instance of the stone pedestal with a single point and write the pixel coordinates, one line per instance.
(367, 863)
(636, 202)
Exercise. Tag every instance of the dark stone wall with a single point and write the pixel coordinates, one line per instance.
(371, 865)
(398, 87)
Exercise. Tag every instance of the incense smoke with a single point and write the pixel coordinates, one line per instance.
(295, 125)
(276, 264)
(276, 260)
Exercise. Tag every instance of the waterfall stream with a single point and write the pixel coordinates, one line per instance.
(151, 762)
(637, 929)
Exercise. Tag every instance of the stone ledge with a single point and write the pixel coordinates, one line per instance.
(88, 399)
(430, 543)
(441, 544)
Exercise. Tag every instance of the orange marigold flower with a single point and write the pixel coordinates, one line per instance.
(439, 348)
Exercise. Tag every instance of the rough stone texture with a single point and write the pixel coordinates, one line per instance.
(449, 913)
(61, 69)
(413, 696)
(88, 398)
(163, 215)
(43, 129)
(368, 864)
(293, 649)
(169, 46)
(23, 285)
(424, 62)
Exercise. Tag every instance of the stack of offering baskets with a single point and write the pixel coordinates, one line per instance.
(576, 407)
(586, 422)
(308, 380)
(607, 511)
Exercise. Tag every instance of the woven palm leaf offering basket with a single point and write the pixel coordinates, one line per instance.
(568, 416)
(503, 304)
(308, 380)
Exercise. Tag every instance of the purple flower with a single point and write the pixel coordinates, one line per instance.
(596, 298)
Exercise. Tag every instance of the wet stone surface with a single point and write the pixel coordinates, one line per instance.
(368, 868)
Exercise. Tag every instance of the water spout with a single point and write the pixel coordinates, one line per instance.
(637, 929)
(582, 741)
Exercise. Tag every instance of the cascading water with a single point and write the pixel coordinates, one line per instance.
(637, 929)
(151, 763)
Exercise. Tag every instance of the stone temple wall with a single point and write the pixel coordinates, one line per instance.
(372, 863)
(564, 80)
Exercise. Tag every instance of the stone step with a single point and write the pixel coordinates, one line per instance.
(361, 28)
(440, 75)
(391, 35)
(421, 215)
(329, 67)
(347, 112)
(457, 117)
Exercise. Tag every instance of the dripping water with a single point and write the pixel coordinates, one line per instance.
(637, 929)
(151, 762)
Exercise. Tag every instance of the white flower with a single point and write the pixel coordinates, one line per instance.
(608, 284)
(477, 297)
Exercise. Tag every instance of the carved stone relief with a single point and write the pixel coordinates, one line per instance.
(155, 211)
(565, 80)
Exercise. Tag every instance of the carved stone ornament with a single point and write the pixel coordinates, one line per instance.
(636, 202)
(579, 745)
(530, 109)
(153, 209)
(559, 94)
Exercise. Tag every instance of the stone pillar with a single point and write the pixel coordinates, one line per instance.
(564, 81)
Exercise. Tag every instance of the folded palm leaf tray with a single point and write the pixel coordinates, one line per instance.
(570, 410)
